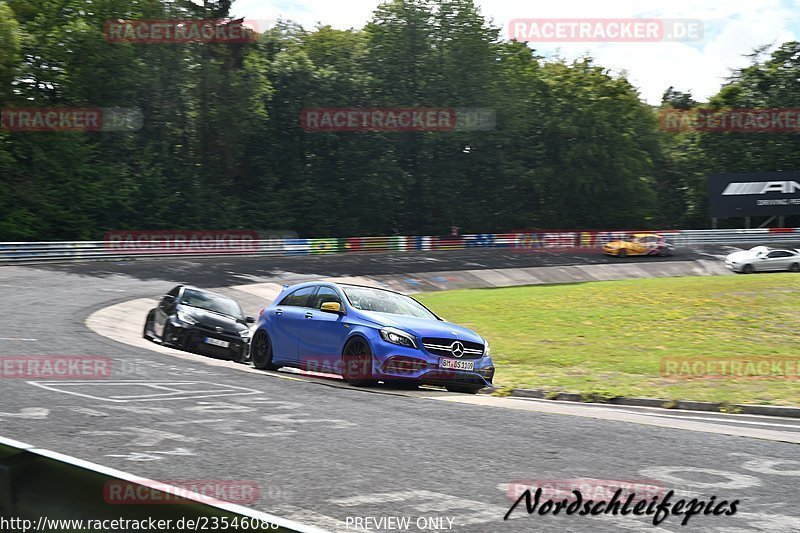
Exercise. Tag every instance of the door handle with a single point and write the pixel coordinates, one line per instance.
(278, 312)
(309, 315)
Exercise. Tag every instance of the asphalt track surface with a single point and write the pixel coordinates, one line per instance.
(325, 454)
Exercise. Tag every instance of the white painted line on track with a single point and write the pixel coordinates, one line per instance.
(125, 476)
(624, 416)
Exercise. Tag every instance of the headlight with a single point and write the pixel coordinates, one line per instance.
(186, 318)
(245, 333)
(488, 350)
(399, 337)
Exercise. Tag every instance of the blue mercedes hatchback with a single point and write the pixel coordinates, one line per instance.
(366, 335)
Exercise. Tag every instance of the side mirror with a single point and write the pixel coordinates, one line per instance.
(167, 300)
(249, 320)
(331, 307)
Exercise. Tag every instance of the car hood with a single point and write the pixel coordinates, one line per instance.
(423, 327)
(741, 256)
(617, 244)
(212, 319)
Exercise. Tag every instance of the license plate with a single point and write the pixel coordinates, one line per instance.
(217, 342)
(455, 364)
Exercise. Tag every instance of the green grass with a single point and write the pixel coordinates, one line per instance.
(607, 339)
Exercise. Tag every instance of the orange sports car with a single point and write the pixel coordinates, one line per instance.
(640, 244)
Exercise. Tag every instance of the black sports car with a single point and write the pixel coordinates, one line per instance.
(200, 321)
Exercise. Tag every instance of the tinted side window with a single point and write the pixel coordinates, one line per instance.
(299, 298)
(779, 254)
(324, 295)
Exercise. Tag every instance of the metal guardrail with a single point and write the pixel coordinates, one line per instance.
(41, 490)
(217, 245)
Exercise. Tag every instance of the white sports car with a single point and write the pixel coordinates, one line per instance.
(763, 258)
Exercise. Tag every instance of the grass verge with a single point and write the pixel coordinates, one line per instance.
(614, 338)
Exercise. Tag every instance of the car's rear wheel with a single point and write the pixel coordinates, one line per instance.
(466, 389)
(148, 327)
(747, 269)
(261, 351)
(357, 363)
(795, 267)
(622, 253)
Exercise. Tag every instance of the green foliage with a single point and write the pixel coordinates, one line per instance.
(222, 147)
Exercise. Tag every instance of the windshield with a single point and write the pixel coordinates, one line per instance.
(380, 301)
(211, 302)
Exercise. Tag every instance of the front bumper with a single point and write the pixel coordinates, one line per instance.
(733, 267)
(397, 363)
(192, 338)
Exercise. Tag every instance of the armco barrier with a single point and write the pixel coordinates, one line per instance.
(41, 490)
(39, 252)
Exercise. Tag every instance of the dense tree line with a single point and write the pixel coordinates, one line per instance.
(221, 145)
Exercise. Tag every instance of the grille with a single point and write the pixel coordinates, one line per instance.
(444, 347)
(212, 329)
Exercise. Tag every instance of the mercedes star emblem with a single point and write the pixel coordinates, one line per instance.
(457, 348)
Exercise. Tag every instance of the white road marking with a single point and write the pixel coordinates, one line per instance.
(219, 407)
(89, 412)
(28, 413)
(307, 516)
(289, 418)
(764, 465)
(152, 456)
(93, 389)
(734, 480)
(146, 437)
(587, 411)
(20, 339)
(229, 427)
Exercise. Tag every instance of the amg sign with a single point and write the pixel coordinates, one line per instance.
(754, 194)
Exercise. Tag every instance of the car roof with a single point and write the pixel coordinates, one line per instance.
(646, 234)
(336, 284)
(205, 291)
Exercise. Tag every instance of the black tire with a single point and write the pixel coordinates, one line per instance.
(465, 389)
(622, 253)
(166, 334)
(357, 363)
(261, 351)
(747, 269)
(148, 327)
(794, 267)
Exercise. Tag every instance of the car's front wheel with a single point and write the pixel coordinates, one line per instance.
(466, 389)
(357, 363)
(747, 269)
(148, 327)
(261, 351)
(623, 253)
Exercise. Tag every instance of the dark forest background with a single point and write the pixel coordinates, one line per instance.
(222, 147)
